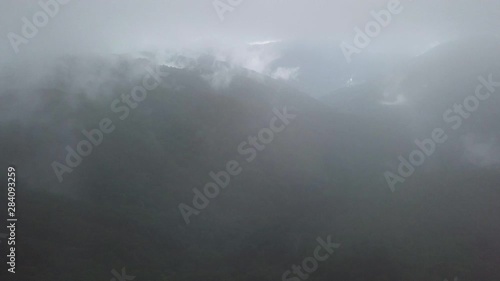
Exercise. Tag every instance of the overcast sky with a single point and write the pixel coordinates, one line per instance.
(124, 25)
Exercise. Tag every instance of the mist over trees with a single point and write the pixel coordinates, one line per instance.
(258, 152)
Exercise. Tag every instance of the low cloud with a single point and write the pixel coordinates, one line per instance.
(286, 73)
(481, 151)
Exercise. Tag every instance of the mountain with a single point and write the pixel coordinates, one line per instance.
(322, 174)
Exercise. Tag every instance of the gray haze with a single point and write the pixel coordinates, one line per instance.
(156, 137)
(120, 26)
